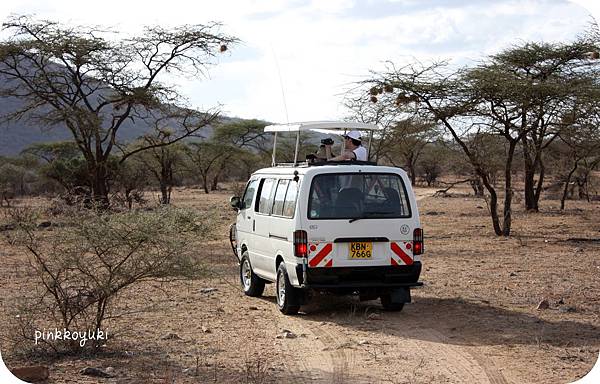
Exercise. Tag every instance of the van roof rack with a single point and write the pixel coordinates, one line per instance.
(328, 127)
(321, 163)
(343, 162)
(300, 164)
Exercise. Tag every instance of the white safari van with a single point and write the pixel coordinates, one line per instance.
(342, 227)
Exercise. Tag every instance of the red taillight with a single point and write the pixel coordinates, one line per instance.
(300, 244)
(418, 241)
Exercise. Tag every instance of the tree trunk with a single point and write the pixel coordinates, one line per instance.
(165, 195)
(477, 185)
(166, 181)
(493, 205)
(215, 181)
(539, 186)
(529, 176)
(508, 191)
(532, 156)
(581, 187)
(530, 165)
(129, 198)
(529, 189)
(566, 189)
(99, 183)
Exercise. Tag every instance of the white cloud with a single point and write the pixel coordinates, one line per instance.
(322, 46)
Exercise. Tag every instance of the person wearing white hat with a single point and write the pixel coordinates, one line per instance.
(353, 148)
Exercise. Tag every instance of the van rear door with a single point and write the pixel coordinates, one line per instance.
(360, 219)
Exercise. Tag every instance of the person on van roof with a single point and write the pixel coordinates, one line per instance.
(354, 149)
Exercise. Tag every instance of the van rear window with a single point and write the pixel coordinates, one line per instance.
(289, 208)
(358, 195)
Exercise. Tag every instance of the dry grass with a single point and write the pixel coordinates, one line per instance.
(480, 294)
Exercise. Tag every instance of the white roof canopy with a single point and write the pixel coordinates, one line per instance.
(329, 127)
(322, 126)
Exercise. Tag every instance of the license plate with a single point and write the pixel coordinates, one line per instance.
(361, 250)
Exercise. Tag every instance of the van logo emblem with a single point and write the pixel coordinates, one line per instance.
(313, 226)
(404, 229)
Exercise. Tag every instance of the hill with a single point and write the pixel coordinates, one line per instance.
(18, 135)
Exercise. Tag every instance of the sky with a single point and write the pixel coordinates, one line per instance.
(296, 58)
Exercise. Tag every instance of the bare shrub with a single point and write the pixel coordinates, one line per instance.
(17, 222)
(255, 371)
(86, 266)
(127, 199)
(5, 197)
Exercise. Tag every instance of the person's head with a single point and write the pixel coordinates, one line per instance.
(353, 138)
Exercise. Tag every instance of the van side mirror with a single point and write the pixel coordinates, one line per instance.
(235, 202)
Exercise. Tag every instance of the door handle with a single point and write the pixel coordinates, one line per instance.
(253, 225)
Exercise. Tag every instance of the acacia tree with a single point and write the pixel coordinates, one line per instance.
(433, 95)
(206, 159)
(554, 78)
(130, 180)
(62, 162)
(95, 85)
(12, 182)
(162, 163)
(582, 150)
(469, 102)
(406, 141)
(161, 160)
(435, 160)
(248, 147)
(247, 134)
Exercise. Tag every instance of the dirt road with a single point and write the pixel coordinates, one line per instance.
(364, 346)
(380, 347)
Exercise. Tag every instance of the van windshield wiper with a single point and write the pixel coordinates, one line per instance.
(367, 214)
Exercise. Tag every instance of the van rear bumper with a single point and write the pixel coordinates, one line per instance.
(361, 277)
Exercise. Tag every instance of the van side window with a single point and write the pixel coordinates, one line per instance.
(265, 200)
(289, 207)
(282, 187)
(249, 193)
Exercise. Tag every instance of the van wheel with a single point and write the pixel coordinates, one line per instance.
(287, 295)
(253, 285)
(389, 305)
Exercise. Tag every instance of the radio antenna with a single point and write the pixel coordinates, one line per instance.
(287, 118)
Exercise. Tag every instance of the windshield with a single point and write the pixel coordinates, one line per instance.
(358, 195)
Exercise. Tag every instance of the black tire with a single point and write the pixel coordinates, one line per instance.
(233, 240)
(251, 284)
(288, 297)
(389, 305)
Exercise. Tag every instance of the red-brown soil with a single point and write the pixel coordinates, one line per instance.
(475, 319)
